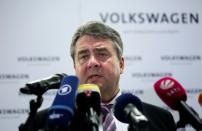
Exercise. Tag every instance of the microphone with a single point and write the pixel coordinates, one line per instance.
(88, 108)
(128, 109)
(38, 87)
(200, 99)
(88, 96)
(61, 112)
(174, 95)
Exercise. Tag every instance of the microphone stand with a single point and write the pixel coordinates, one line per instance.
(184, 120)
(85, 119)
(137, 121)
(93, 119)
(34, 105)
(194, 120)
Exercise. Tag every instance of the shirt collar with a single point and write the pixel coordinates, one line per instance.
(113, 100)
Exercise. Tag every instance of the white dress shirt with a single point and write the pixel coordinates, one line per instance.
(120, 126)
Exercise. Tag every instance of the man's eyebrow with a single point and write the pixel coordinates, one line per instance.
(101, 49)
(82, 51)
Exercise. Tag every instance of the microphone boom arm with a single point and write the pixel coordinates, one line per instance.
(193, 119)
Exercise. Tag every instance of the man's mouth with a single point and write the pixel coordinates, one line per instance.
(92, 78)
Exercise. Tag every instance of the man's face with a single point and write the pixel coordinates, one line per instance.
(96, 62)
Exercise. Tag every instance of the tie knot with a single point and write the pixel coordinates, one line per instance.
(107, 119)
(106, 108)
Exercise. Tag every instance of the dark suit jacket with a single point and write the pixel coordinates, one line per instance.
(159, 119)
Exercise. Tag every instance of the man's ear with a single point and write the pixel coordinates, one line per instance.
(121, 65)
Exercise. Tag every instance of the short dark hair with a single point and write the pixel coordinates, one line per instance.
(97, 29)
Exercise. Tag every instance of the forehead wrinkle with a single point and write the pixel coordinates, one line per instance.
(98, 47)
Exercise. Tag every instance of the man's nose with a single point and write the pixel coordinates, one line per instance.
(93, 62)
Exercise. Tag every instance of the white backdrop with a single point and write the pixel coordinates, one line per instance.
(161, 38)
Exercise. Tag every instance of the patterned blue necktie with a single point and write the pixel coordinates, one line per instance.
(108, 120)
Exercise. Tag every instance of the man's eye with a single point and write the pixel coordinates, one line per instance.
(83, 57)
(102, 55)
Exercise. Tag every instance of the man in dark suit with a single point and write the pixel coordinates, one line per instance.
(159, 120)
(97, 53)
